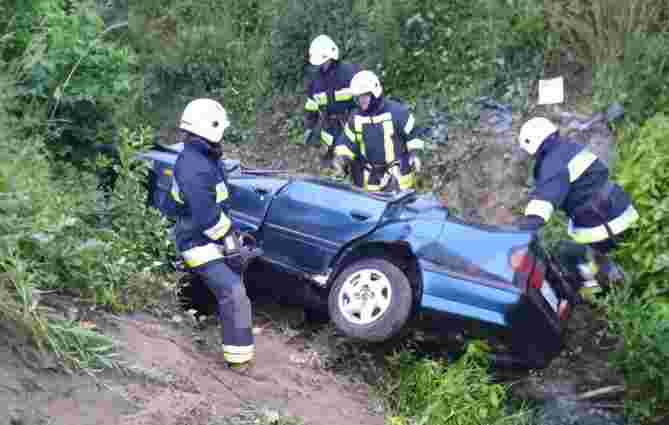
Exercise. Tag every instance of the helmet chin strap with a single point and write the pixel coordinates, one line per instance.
(375, 103)
(215, 149)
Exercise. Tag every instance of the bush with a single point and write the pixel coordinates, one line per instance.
(78, 78)
(55, 221)
(298, 22)
(643, 324)
(426, 391)
(456, 51)
(33, 212)
(217, 49)
(642, 172)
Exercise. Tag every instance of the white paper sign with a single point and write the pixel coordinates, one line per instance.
(551, 91)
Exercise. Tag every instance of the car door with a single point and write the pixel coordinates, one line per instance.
(250, 197)
(309, 221)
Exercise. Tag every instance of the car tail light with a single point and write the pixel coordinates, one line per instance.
(524, 262)
(564, 309)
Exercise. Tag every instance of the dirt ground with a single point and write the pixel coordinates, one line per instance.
(172, 374)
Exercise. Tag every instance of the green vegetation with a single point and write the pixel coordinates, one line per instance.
(425, 391)
(83, 91)
(643, 324)
(643, 173)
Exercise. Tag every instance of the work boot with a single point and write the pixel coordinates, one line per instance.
(244, 368)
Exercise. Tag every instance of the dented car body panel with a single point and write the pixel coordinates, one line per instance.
(312, 227)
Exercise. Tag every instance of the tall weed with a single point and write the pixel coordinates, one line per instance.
(598, 29)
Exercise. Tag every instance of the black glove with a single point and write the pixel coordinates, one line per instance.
(231, 244)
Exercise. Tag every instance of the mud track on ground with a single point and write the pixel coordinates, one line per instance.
(172, 376)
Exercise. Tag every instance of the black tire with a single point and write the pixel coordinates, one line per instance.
(389, 322)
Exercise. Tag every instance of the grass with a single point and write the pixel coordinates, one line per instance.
(76, 347)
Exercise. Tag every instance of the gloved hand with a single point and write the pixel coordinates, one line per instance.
(415, 162)
(339, 164)
(231, 243)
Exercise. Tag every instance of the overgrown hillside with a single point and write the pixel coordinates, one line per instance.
(85, 85)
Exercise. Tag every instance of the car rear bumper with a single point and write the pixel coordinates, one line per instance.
(524, 321)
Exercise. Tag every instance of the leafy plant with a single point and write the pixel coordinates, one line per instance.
(431, 392)
(643, 173)
(643, 325)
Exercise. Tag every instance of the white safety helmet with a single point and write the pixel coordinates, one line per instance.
(322, 49)
(366, 82)
(205, 118)
(534, 132)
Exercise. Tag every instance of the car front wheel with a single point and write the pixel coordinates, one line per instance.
(371, 300)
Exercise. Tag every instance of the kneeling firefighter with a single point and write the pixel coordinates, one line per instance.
(570, 177)
(382, 135)
(205, 236)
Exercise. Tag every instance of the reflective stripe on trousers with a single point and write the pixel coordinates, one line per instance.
(234, 310)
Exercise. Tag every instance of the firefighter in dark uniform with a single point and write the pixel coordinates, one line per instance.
(568, 176)
(382, 134)
(204, 232)
(329, 100)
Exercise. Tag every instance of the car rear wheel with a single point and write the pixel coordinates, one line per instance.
(371, 300)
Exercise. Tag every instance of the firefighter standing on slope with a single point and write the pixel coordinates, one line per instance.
(569, 177)
(204, 231)
(382, 134)
(329, 98)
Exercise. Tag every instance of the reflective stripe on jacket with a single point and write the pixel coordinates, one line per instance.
(330, 94)
(570, 177)
(200, 187)
(382, 137)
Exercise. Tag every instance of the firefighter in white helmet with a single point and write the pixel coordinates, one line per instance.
(382, 134)
(205, 235)
(329, 100)
(570, 177)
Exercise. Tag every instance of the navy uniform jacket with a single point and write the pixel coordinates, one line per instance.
(199, 187)
(330, 93)
(571, 178)
(382, 136)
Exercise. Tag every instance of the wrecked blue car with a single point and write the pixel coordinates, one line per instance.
(378, 260)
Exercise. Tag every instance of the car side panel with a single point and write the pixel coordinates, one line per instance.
(309, 222)
(459, 296)
(480, 252)
(250, 198)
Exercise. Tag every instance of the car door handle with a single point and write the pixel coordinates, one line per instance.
(261, 190)
(360, 215)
